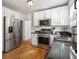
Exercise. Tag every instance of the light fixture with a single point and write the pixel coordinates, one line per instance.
(30, 2)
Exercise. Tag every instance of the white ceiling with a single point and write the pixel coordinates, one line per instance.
(21, 5)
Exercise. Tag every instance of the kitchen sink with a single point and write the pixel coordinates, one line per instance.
(64, 40)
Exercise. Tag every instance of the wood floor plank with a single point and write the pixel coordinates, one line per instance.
(26, 51)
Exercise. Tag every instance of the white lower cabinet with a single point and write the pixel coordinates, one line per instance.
(35, 39)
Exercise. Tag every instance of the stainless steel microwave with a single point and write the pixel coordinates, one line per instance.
(45, 22)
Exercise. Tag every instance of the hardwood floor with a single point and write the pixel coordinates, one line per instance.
(26, 51)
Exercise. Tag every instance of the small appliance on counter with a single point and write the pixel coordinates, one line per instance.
(63, 34)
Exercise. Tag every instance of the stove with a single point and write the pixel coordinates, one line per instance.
(43, 40)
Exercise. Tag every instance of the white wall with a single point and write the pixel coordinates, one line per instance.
(27, 27)
(9, 12)
(26, 30)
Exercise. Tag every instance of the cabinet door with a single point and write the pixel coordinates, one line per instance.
(36, 18)
(55, 16)
(71, 12)
(42, 14)
(73, 23)
(34, 39)
(64, 15)
(49, 14)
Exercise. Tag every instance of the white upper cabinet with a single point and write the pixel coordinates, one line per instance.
(55, 16)
(46, 14)
(49, 14)
(64, 15)
(73, 16)
(71, 12)
(60, 16)
(36, 18)
(42, 14)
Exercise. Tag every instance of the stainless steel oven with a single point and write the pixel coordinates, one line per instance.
(43, 40)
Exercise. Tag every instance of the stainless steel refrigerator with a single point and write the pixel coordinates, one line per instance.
(12, 33)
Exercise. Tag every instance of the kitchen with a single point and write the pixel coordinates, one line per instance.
(50, 29)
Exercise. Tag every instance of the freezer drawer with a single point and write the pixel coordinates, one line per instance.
(9, 45)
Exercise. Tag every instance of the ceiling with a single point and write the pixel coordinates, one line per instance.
(21, 5)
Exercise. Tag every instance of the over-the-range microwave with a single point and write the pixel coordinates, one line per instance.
(45, 22)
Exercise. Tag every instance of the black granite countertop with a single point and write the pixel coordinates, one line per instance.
(60, 50)
(42, 33)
